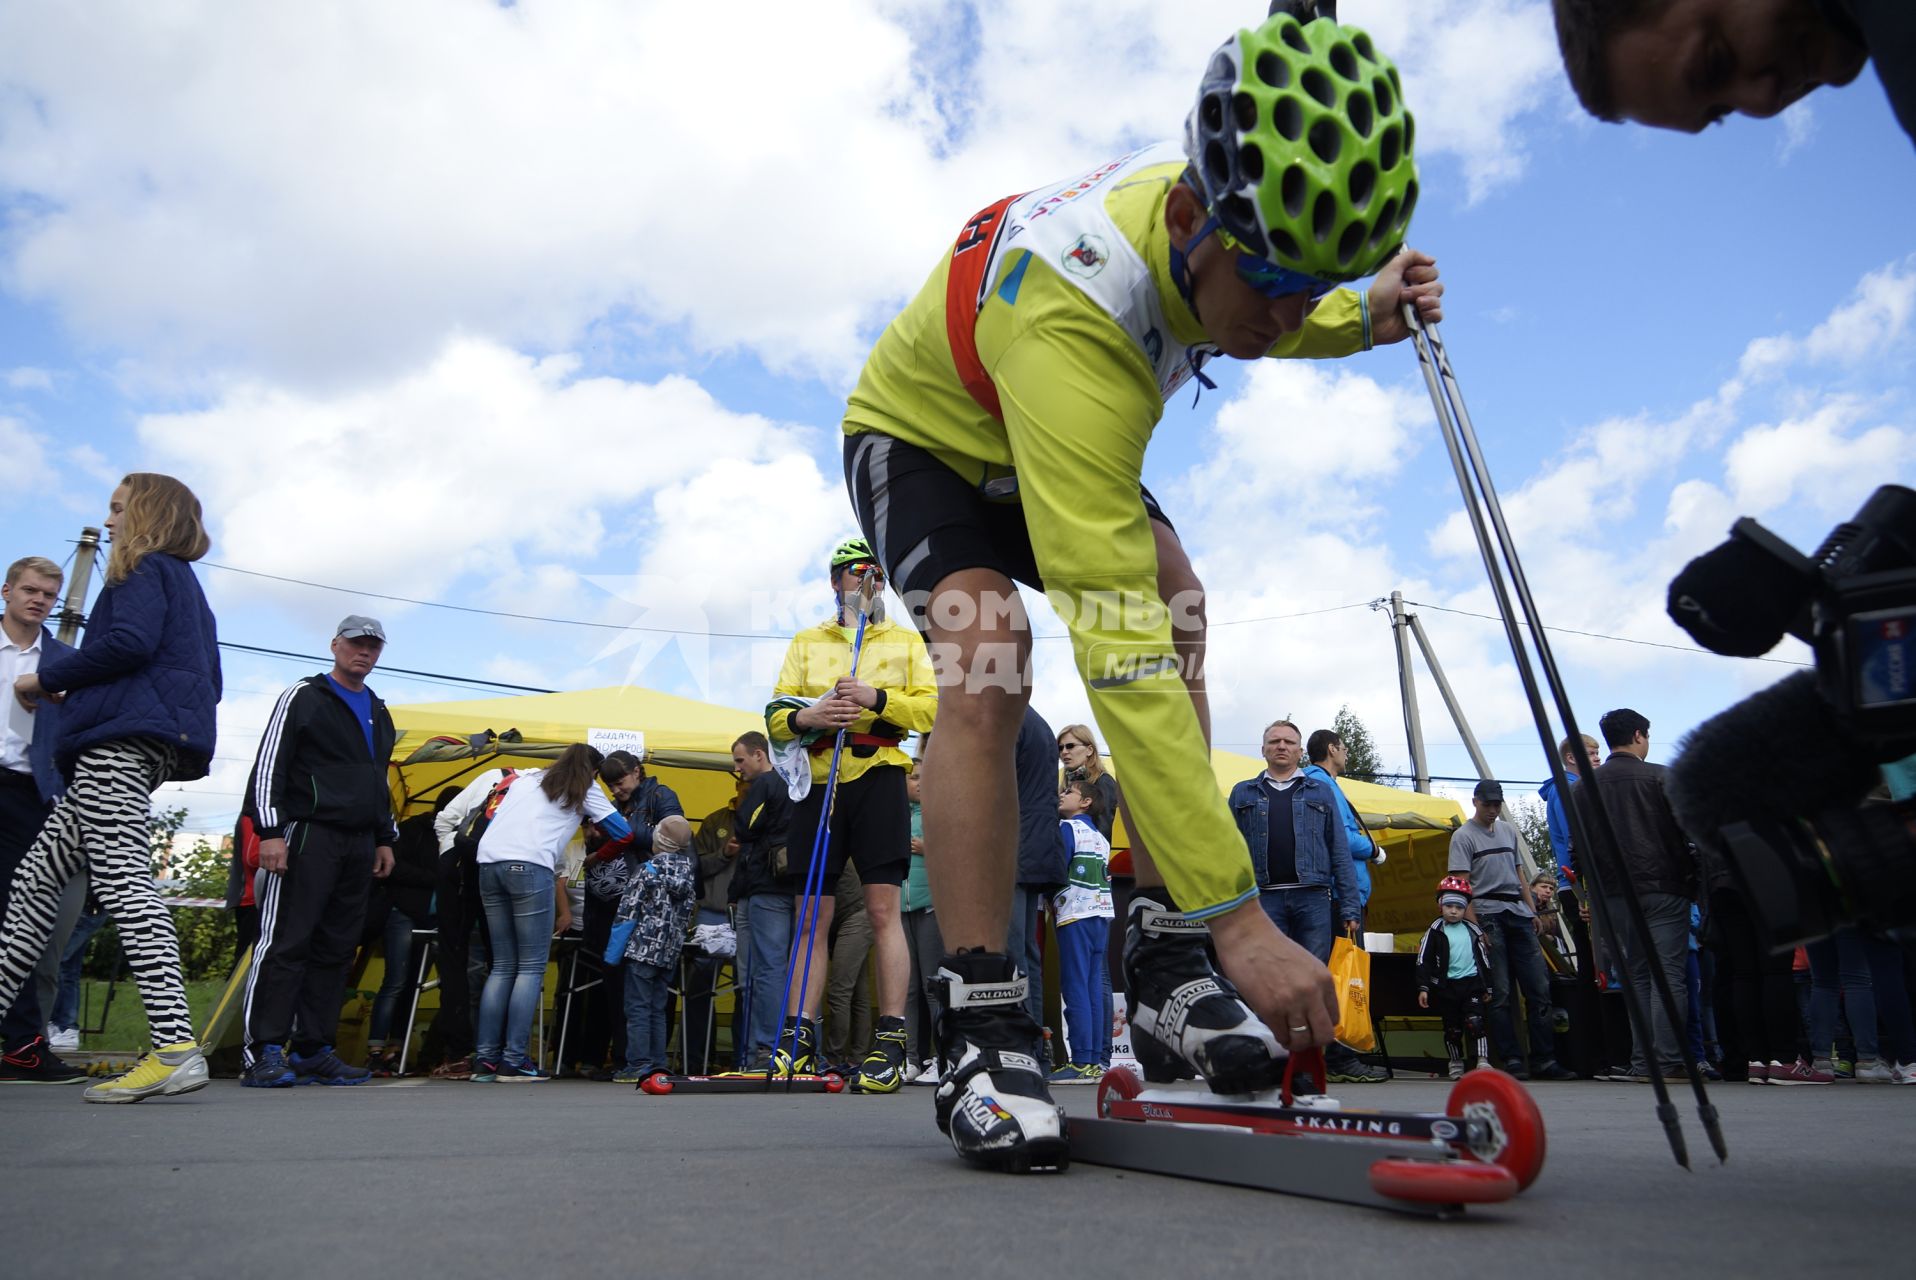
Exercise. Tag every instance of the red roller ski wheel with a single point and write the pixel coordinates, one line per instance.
(1442, 1182)
(1118, 1084)
(1516, 1126)
(834, 1083)
(657, 1084)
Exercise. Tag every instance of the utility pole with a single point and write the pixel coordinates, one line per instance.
(1450, 699)
(73, 612)
(1407, 690)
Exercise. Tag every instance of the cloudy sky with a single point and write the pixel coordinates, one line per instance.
(550, 309)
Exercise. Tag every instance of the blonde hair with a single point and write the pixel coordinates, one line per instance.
(161, 515)
(1094, 767)
(34, 564)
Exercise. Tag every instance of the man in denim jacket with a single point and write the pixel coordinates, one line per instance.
(1303, 865)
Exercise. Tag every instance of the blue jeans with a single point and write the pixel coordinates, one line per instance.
(1303, 916)
(1511, 939)
(1022, 944)
(517, 897)
(66, 1006)
(646, 1034)
(1668, 916)
(398, 957)
(769, 922)
(1084, 979)
(1840, 961)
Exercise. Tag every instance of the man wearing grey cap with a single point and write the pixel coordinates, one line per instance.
(1487, 849)
(319, 801)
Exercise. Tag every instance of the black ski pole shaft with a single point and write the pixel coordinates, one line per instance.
(1633, 906)
(1474, 510)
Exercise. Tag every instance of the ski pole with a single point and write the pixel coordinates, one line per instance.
(1480, 497)
(821, 839)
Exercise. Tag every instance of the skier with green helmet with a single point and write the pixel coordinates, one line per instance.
(997, 436)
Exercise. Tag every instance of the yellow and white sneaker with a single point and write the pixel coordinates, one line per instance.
(178, 1068)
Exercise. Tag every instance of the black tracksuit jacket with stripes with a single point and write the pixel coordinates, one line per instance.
(313, 766)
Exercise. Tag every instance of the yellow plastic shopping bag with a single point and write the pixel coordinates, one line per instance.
(1350, 969)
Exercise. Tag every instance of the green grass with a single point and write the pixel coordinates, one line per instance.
(125, 1030)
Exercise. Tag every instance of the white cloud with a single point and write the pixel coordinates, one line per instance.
(1875, 320)
(1822, 456)
(27, 378)
(1799, 126)
(28, 467)
(326, 195)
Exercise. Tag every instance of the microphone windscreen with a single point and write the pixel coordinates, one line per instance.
(1736, 599)
(1779, 754)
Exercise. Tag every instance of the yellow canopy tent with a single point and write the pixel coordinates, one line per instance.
(686, 744)
(1411, 828)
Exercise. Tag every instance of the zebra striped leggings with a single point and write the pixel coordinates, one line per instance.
(102, 826)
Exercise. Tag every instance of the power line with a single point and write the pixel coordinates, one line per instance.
(429, 677)
(1599, 635)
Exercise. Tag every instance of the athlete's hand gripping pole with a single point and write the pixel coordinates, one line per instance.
(1480, 499)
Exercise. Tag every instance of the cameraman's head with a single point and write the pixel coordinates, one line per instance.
(1626, 731)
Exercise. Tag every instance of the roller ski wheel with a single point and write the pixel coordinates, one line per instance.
(1443, 1181)
(658, 1084)
(1120, 1084)
(1187, 1020)
(992, 1099)
(834, 1083)
(1515, 1135)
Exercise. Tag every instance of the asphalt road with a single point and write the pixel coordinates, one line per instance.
(439, 1179)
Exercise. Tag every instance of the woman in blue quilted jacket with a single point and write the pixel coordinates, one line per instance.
(138, 702)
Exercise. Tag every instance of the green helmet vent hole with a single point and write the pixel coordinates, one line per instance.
(1410, 132)
(1386, 222)
(1361, 43)
(1273, 70)
(1396, 82)
(1410, 202)
(1324, 216)
(1293, 191)
(1222, 68)
(1363, 183)
(1386, 97)
(1244, 108)
(1217, 165)
(1211, 113)
(1250, 163)
(1285, 244)
(1343, 61)
(1288, 118)
(1318, 85)
(1357, 111)
(1326, 140)
(1293, 35)
(1238, 215)
(1390, 148)
(1350, 242)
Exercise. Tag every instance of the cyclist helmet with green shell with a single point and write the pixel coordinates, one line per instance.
(851, 551)
(1302, 148)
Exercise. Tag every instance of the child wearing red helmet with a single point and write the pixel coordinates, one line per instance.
(1453, 975)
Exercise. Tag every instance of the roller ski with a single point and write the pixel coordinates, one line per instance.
(992, 1099)
(1485, 1147)
(664, 1083)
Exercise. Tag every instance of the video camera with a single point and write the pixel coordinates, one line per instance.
(1777, 784)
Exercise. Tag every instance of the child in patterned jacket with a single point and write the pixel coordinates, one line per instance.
(659, 899)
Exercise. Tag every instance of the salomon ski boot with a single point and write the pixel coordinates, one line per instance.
(992, 1100)
(883, 1070)
(1186, 1017)
(796, 1054)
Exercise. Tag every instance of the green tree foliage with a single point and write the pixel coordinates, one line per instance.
(1526, 813)
(1363, 763)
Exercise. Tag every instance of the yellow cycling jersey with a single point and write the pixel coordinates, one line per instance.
(1083, 334)
(893, 661)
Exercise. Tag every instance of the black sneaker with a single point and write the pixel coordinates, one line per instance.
(1551, 1069)
(992, 1100)
(1356, 1071)
(1516, 1068)
(1186, 1017)
(268, 1070)
(883, 1070)
(323, 1066)
(34, 1063)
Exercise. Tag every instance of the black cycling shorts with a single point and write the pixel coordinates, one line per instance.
(925, 521)
(871, 828)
